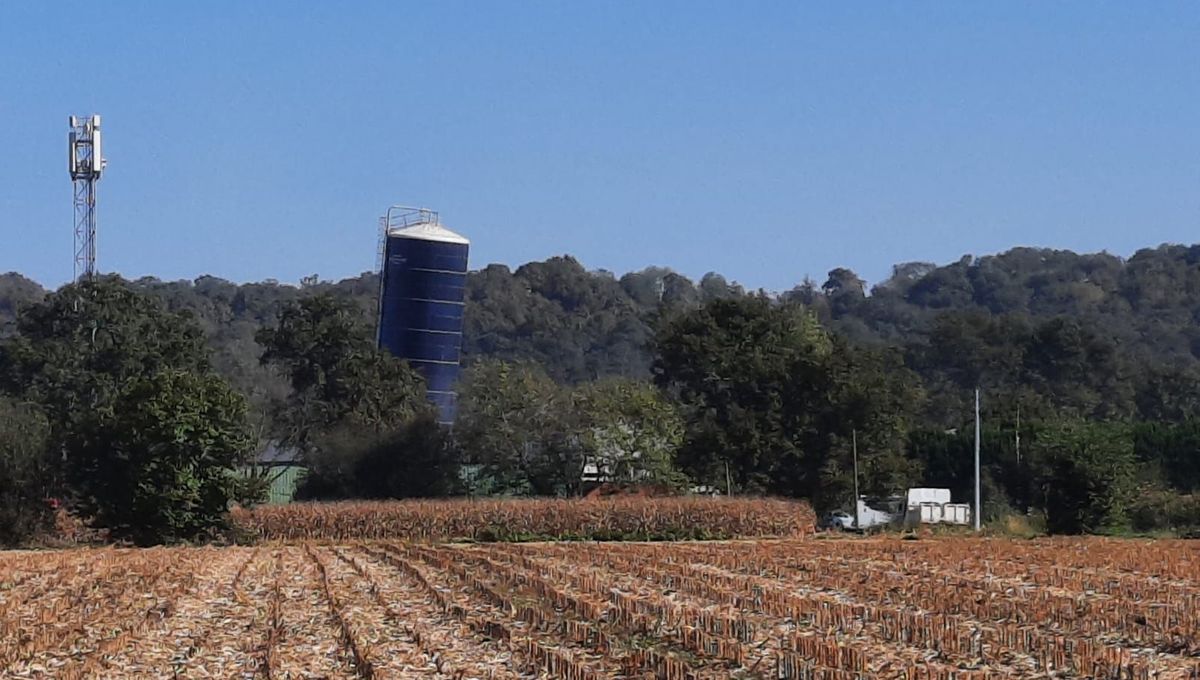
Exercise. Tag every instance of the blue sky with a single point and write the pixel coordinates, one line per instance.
(763, 140)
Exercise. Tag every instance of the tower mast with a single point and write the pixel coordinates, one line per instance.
(86, 163)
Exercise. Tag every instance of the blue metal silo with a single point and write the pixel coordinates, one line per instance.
(422, 287)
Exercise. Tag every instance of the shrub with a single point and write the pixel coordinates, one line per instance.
(25, 474)
(415, 460)
(1163, 510)
(160, 467)
(1089, 476)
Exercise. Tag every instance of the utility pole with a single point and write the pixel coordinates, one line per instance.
(854, 450)
(1018, 435)
(978, 512)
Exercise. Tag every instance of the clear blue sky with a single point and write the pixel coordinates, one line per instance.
(766, 141)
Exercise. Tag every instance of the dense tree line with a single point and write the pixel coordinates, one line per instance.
(1134, 318)
(1088, 365)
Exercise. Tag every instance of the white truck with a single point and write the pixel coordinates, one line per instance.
(868, 517)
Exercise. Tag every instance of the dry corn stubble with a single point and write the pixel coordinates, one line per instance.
(928, 610)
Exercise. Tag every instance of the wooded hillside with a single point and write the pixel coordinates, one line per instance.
(1094, 334)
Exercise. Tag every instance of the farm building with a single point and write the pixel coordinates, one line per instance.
(282, 469)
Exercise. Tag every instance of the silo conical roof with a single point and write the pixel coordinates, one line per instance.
(429, 231)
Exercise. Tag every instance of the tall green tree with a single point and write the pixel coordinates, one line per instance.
(1009, 484)
(337, 374)
(870, 400)
(77, 349)
(771, 399)
(630, 431)
(520, 428)
(416, 461)
(741, 367)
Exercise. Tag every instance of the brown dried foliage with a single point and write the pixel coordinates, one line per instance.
(528, 519)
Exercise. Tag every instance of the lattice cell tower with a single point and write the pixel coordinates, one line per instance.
(86, 165)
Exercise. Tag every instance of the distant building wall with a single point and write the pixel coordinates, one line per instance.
(284, 480)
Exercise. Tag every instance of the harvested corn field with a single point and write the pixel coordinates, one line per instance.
(637, 519)
(938, 608)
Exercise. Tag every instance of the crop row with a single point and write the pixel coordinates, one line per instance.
(846, 603)
(527, 519)
(797, 609)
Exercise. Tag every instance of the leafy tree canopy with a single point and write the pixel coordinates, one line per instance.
(158, 464)
(146, 435)
(772, 400)
(337, 375)
(77, 349)
(630, 431)
(516, 424)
